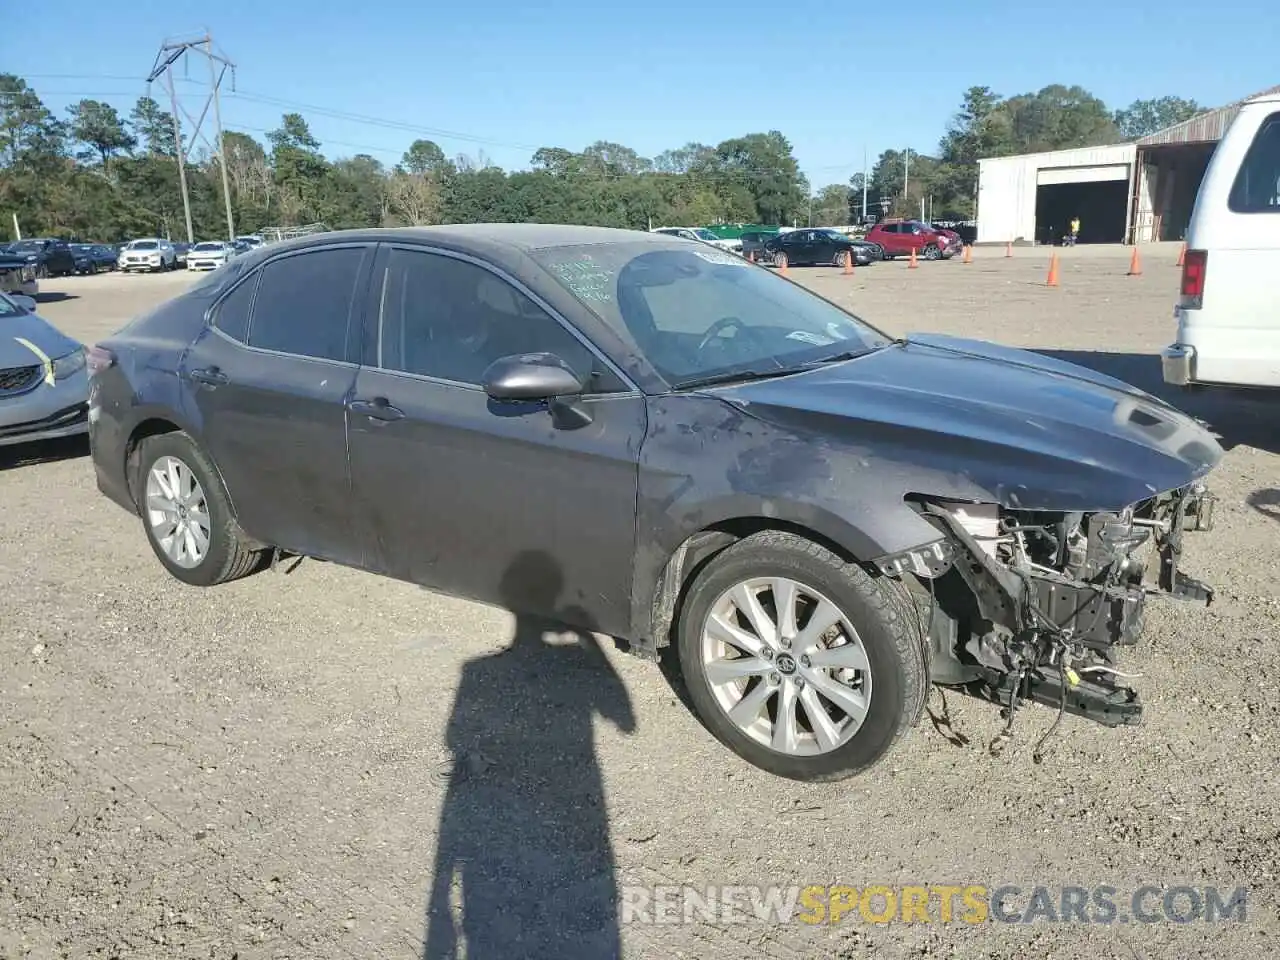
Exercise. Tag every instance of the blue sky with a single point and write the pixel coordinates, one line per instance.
(506, 77)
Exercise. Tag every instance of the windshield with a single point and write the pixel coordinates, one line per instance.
(698, 314)
(143, 245)
(28, 246)
(705, 235)
(82, 247)
(202, 247)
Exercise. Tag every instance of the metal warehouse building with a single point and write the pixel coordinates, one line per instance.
(1126, 193)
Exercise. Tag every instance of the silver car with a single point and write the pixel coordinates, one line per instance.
(44, 390)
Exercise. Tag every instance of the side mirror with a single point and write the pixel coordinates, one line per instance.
(531, 376)
(26, 303)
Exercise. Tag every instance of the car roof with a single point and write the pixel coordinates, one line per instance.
(501, 242)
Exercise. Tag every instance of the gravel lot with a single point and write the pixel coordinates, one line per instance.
(273, 767)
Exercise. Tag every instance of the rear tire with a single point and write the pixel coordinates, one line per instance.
(874, 679)
(187, 515)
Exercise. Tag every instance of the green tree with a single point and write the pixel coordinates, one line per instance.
(765, 164)
(831, 206)
(1145, 117)
(153, 127)
(97, 125)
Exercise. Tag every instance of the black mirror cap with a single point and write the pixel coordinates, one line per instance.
(531, 376)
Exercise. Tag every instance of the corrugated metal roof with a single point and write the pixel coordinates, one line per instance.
(1205, 127)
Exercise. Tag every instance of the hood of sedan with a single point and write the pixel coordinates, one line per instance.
(1019, 428)
(40, 334)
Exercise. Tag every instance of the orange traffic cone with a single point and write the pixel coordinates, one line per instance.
(751, 256)
(1008, 249)
(1052, 279)
(1182, 255)
(848, 263)
(968, 253)
(1135, 263)
(912, 265)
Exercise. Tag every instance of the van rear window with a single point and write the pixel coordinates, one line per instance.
(1257, 186)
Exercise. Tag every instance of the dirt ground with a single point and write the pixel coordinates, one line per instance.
(291, 766)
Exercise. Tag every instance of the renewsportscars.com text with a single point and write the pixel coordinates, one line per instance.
(936, 903)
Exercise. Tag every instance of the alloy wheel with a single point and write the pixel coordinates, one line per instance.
(177, 512)
(786, 666)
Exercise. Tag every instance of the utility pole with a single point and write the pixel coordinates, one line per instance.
(906, 166)
(182, 163)
(171, 51)
(864, 185)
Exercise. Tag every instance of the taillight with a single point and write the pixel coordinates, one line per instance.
(1194, 265)
(98, 359)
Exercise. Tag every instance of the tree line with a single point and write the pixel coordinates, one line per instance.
(96, 175)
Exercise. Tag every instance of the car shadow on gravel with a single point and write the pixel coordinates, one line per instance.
(55, 296)
(43, 451)
(1238, 416)
(524, 866)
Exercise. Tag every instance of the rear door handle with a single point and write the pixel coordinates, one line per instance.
(379, 408)
(210, 377)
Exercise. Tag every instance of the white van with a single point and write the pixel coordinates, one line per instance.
(1229, 310)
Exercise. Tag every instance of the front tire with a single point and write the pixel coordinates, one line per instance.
(187, 515)
(931, 252)
(800, 663)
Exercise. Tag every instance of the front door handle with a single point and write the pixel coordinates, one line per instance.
(379, 408)
(210, 377)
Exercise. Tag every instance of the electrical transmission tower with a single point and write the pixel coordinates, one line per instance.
(171, 52)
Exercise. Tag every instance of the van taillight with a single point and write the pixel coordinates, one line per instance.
(1194, 265)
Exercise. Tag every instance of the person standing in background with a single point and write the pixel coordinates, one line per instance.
(1075, 230)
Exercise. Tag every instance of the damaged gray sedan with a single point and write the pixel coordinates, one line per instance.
(658, 441)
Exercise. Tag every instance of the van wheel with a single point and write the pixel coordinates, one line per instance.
(187, 515)
(801, 663)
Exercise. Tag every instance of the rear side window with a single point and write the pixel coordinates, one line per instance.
(304, 303)
(232, 317)
(1257, 186)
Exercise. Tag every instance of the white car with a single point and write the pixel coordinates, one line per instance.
(701, 234)
(1228, 312)
(209, 255)
(149, 254)
(253, 240)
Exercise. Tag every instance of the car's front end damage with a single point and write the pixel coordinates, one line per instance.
(1034, 604)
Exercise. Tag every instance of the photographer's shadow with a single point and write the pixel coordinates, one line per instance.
(524, 867)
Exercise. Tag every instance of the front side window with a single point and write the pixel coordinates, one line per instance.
(1257, 185)
(303, 305)
(449, 319)
(698, 314)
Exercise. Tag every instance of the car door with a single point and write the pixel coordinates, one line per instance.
(266, 384)
(462, 493)
(822, 247)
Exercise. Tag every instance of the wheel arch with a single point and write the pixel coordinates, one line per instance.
(665, 595)
(156, 423)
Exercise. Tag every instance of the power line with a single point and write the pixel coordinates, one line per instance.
(353, 117)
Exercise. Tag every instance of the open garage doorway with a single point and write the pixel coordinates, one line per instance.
(1100, 207)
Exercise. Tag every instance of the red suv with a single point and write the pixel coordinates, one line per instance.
(899, 237)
